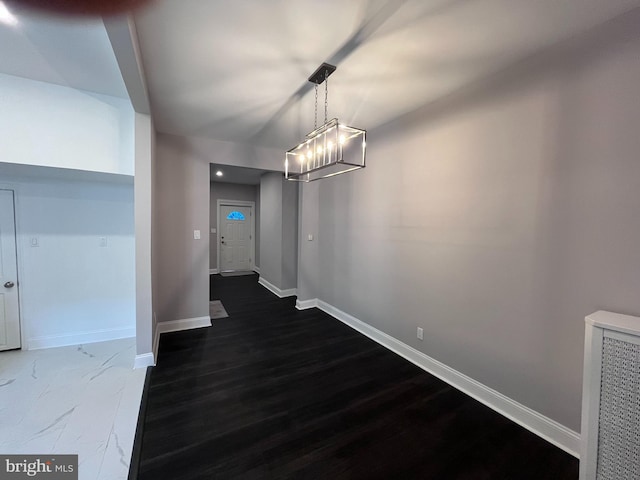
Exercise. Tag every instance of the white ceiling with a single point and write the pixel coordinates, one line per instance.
(233, 174)
(237, 70)
(71, 52)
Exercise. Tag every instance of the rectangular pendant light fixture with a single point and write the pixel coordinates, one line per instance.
(331, 149)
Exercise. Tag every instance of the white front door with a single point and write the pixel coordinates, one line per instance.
(9, 311)
(235, 237)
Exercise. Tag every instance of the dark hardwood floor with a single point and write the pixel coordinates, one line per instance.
(272, 392)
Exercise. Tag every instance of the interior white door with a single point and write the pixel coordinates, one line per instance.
(9, 310)
(235, 237)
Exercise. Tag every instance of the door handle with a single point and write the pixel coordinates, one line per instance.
(9, 285)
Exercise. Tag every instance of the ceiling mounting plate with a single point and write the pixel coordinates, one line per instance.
(322, 73)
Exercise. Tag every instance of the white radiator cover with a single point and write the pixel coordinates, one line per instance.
(610, 447)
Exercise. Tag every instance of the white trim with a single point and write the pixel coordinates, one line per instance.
(252, 223)
(144, 360)
(182, 324)
(256, 269)
(156, 341)
(50, 341)
(544, 427)
(18, 249)
(614, 322)
(15, 188)
(591, 376)
(306, 304)
(213, 271)
(291, 292)
(177, 326)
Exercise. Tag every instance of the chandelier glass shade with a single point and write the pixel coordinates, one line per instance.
(331, 149)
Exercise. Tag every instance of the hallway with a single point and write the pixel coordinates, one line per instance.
(273, 392)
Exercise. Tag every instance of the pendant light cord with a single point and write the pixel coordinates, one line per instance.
(315, 119)
(326, 97)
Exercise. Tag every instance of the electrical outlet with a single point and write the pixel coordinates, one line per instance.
(420, 334)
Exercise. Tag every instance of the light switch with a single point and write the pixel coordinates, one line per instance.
(103, 241)
(196, 234)
(310, 237)
(213, 230)
(35, 242)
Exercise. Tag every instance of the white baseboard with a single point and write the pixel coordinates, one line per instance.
(256, 269)
(183, 324)
(176, 326)
(306, 304)
(549, 429)
(213, 271)
(144, 360)
(105, 335)
(291, 292)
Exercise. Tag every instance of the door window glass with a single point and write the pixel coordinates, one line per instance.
(235, 215)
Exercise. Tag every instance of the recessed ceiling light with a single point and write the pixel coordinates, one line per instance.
(6, 16)
(218, 173)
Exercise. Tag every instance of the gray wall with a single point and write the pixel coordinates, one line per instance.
(496, 219)
(271, 227)
(231, 191)
(258, 208)
(279, 230)
(289, 234)
(182, 196)
(155, 257)
(308, 254)
(143, 190)
(182, 206)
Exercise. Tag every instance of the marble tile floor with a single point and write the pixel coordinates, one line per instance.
(80, 400)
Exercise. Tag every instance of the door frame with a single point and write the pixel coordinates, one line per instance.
(14, 189)
(252, 226)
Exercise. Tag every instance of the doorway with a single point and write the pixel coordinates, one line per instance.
(9, 308)
(236, 238)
